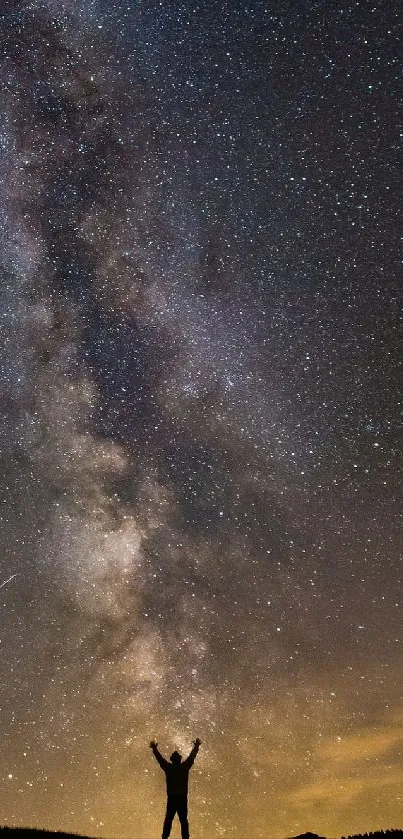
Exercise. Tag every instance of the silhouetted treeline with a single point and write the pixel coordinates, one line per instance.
(36, 833)
(393, 833)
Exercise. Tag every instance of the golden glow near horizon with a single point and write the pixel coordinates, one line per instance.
(286, 763)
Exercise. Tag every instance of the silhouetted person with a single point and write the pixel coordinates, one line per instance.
(177, 777)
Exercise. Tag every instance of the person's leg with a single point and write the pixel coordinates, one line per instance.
(183, 817)
(169, 817)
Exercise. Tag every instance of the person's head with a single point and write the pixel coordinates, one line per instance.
(176, 758)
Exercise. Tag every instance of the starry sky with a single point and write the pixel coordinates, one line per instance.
(201, 320)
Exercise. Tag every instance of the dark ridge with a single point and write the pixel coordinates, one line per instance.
(308, 835)
(35, 832)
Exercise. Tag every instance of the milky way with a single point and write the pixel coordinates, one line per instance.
(201, 414)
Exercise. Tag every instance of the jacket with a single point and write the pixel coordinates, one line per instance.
(177, 775)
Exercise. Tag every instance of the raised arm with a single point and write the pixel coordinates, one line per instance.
(190, 759)
(158, 756)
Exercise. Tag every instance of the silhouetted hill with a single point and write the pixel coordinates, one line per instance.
(308, 835)
(36, 833)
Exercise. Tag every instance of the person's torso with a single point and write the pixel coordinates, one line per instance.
(177, 779)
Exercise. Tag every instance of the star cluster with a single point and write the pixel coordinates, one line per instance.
(201, 413)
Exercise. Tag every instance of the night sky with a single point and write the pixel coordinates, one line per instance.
(201, 394)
